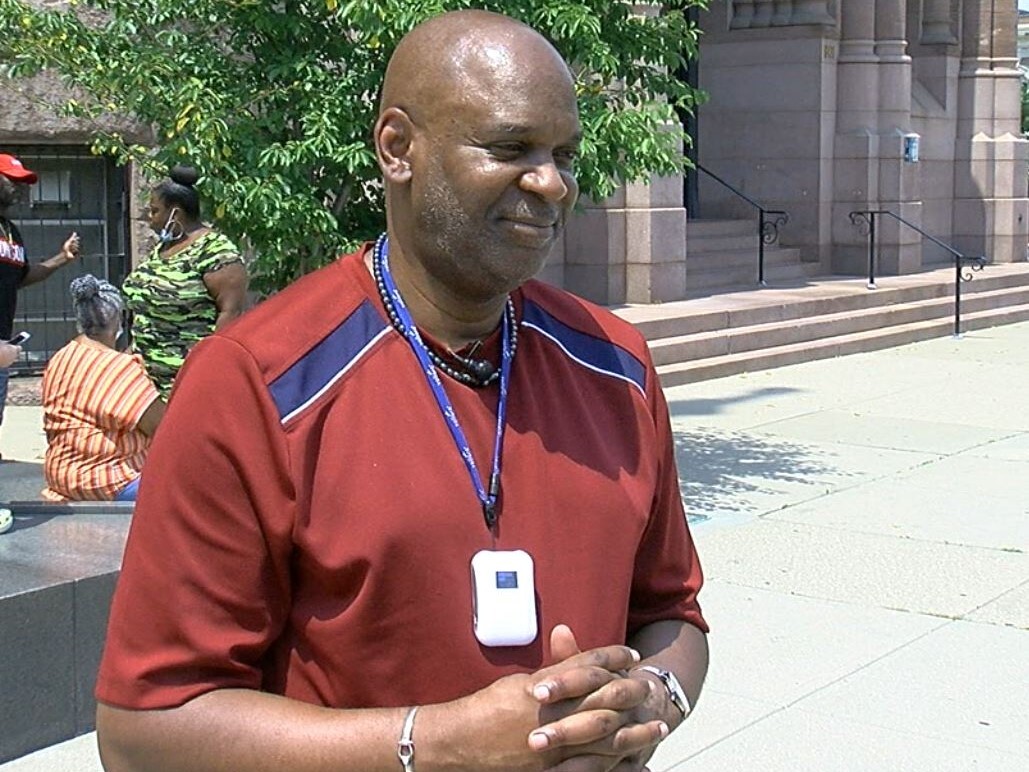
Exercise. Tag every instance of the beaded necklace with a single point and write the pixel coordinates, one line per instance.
(479, 373)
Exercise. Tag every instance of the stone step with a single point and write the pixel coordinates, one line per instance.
(740, 306)
(745, 257)
(740, 268)
(739, 329)
(734, 340)
(717, 228)
(678, 373)
(702, 246)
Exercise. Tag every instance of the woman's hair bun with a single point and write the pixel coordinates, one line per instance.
(85, 287)
(184, 175)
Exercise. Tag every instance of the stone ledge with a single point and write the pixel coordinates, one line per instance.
(57, 575)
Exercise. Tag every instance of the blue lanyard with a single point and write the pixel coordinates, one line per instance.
(487, 496)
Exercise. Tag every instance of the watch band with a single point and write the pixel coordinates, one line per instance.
(405, 747)
(676, 695)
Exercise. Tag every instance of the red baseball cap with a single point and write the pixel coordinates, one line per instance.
(12, 168)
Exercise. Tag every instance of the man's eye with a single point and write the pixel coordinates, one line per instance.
(565, 157)
(506, 150)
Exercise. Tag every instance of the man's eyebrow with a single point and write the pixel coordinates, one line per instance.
(517, 129)
(520, 130)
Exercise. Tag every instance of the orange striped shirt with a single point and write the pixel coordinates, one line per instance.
(93, 398)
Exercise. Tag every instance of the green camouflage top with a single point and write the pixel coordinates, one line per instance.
(171, 307)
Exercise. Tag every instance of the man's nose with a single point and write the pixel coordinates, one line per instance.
(546, 180)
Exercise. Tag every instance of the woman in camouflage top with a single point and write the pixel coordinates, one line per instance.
(190, 284)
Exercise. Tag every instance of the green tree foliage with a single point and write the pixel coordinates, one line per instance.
(273, 101)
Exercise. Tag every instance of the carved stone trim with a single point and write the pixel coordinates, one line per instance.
(755, 14)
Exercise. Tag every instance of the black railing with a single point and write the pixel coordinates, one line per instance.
(964, 265)
(768, 223)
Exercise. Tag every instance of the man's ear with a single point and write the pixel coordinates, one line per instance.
(394, 133)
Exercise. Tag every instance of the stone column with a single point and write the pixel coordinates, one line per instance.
(990, 206)
(855, 178)
(782, 13)
(812, 12)
(629, 248)
(763, 12)
(900, 246)
(742, 13)
(874, 114)
(857, 72)
(894, 65)
(938, 25)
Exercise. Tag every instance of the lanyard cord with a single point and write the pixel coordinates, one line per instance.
(487, 494)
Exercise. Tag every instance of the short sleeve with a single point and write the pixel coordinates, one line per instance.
(668, 575)
(205, 583)
(216, 252)
(129, 394)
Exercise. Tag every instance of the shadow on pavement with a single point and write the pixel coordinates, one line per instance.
(723, 471)
(687, 407)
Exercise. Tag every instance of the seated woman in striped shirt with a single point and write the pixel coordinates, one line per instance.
(100, 408)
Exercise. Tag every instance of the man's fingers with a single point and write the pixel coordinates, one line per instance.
(578, 675)
(603, 732)
(621, 694)
(590, 764)
(572, 685)
(576, 729)
(597, 763)
(618, 694)
(563, 644)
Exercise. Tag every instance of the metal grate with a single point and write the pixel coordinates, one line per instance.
(80, 192)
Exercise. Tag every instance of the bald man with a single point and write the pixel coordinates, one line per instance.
(419, 510)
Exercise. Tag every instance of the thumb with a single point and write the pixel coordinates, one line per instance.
(562, 643)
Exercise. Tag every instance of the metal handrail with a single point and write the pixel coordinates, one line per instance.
(961, 261)
(767, 229)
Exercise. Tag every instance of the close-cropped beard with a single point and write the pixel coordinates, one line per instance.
(8, 193)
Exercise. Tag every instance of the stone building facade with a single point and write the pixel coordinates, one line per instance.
(815, 107)
(812, 105)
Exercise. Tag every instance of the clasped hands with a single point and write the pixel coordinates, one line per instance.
(584, 713)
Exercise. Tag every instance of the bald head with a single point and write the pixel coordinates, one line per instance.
(476, 138)
(466, 54)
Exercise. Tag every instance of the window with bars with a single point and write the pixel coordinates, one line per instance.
(76, 192)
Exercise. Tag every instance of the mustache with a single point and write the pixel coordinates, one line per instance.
(524, 211)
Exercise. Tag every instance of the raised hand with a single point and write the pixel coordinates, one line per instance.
(70, 248)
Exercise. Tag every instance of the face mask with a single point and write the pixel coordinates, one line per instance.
(168, 233)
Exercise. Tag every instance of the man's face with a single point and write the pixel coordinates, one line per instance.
(11, 192)
(493, 180)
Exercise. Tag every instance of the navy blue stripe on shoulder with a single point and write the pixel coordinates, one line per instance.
(599, 355)
(311, 375)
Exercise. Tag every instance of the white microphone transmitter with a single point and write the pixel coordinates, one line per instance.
(503, 598)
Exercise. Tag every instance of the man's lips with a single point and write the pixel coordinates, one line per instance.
(532, 222)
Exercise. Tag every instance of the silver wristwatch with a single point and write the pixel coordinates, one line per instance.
(675, 692)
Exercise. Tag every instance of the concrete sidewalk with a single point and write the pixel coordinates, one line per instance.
(864, 528)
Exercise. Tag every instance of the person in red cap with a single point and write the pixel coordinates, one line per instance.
(15, 271)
